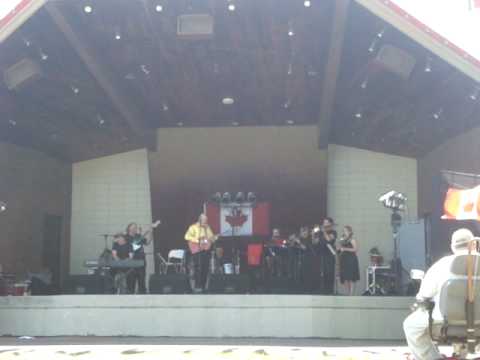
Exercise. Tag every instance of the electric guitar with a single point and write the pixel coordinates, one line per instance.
(138, 241)
(203, 245)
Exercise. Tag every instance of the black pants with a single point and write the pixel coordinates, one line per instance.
(137, 275)
(200, 262)
(328, 267)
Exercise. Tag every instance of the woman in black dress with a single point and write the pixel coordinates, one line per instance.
(349, 270)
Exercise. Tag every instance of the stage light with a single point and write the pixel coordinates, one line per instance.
(217, 197)
(158, 8)
(290, 69)
(373, 46)
(226, 197)
(118, 36)
(438, 114)
(290, 122)
(364, 83)
(100, 120)
(3, 206)
(180, 124)
(475, 93)
(290, 33)
(43, 55)
(88, 9)
(235, 123)
(26, 42)
(164, 107)
(240, 197)
(251, 197)
(12, 122)
(358, 115)
(286, 105)
(231, 7)
(394, 200)
(145, 69)
(228, 101)
(307, 3)
(75, 89)
(381, 33)
(428, 65)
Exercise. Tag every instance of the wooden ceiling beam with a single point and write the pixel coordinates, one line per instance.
(100, 73)
(332, 68)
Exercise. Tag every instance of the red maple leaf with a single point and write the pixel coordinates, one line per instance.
(237, 219)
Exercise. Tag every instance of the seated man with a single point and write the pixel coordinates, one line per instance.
(122, 250)
(416, 324)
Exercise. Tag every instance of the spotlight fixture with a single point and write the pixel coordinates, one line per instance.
(180, 124)
(130, 76)
(287, 104)
(475, 93)
(75, 89)
(43, 55)
(12, 122)
(364, 83)
(437, 114)
(217, 197)
(3, 206)
(394, 200)
(164, 107)
(235, 123)
(88, 9)
(359, 114)
(290, 69)
(373, 46)
(118, 36)
(290, 32)
(251, 197)
(290, 122)
(145, 69)
(428, 65)
(290, 29)
(381, 33)
(26, 42)
(228, 101)
(100, 120)
(226, 197)
(231, 7)
(240, 197)
(307, 3)
(158, 8)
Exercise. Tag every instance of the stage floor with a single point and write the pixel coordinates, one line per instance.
(88, 348)
(215, 316)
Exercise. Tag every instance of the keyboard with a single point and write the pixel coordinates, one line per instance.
(115, 264)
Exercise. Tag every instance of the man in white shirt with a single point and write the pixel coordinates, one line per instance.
(415, 325)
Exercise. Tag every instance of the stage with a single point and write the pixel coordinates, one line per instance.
(206, 316)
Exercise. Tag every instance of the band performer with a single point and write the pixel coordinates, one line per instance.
(349, 269)
(328, 237)
(200, 239)
(138, 241)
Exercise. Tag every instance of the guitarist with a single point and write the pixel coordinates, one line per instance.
(200, 239)
(137, 240)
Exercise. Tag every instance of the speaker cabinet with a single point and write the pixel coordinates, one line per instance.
(228, 284)
(169, 284)
(86, 285)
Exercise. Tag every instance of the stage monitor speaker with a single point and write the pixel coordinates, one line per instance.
(169, 284)
(281, 285)
(228, 284)
(85, 285)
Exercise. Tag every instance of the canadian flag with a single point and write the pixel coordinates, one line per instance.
(474, 4)
(462, 204)
(239, 219)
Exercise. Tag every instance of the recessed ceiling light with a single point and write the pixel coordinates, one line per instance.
(88, 9)
(307, 3)
(231, 7)
(158, 8)
(235, 123)
(228, 101)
